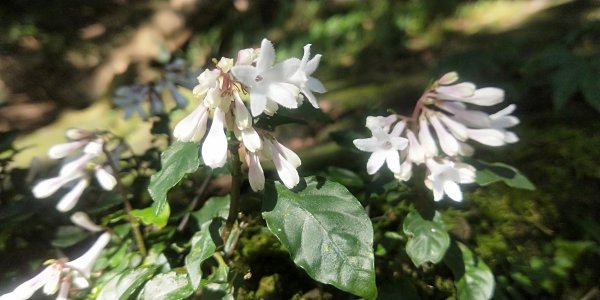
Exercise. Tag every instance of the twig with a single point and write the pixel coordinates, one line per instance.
(194, 202)
(135, 226)
(236, 184)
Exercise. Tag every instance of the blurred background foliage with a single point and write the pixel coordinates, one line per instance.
(61, 60)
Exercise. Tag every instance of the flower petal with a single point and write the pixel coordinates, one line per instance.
(242, 116)
(490, 137)
(193, 127)
(106, 179)
(284, 94)
(85, 262)
(251, 139)
(214, 148)
(266, 57)
(70, 199)
(392, 160)
(448, 143)
(245, 74)
(61, 150)
(82, 220)
(368, 145)
(375, 161)
(256, 176)
(258, 102)
(416, 153)
(426, 139)
(452, 189)
(289, 155)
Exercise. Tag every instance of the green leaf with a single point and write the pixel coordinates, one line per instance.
(590, 87)
(565, 82)
(216, 286)
(345, 177)
(428, 240)
(214, 207)
(472, 277)
(124, 285)
(148, 216)
(203, 247)
(67, 236)
(488, 173)
(167, 286)
(326, 231)
(180, 159)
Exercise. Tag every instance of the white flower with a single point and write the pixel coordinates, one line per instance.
(426, 139)
(47, 279)
(206, 80)
(502, 120)
(267, 82)
(225, 64)
(385, 149)
(84, 264)
(302, 77)
(247, 56)
(50, 277)
(256, 176)
(466, 92)
(82, 220)
(376, 123)
(214, 148)
(444, 178)
(448, 143)
(47, 187)
(77, 165)
(61, 150)
(70, 199)
(405, 171)
(416, 153)
(193, 127)
(105, 178)
(285, 161)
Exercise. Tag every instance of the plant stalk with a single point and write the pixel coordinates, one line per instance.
(135, 225)
(236, 185)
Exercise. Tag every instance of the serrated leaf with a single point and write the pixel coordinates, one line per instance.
(428, 240)
(488, 173)
(148, 216)
(167, 286)
(204, 244)
(214, 207)
(472, 277)
(181, 158)
(327, 232)
(124, 285)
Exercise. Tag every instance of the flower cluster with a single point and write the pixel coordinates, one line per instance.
(446, 109)
(60, 274)
(268, 86)
(82, 155)
(133, 98)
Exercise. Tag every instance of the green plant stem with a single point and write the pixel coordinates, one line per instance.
(135, 225)
(236, 185)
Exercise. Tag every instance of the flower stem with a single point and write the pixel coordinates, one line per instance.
(236, 185)
(135, 225)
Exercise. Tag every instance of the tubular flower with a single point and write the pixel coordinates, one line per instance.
(253, 76)
(76, 271)
(442, 124)
(83, 154)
